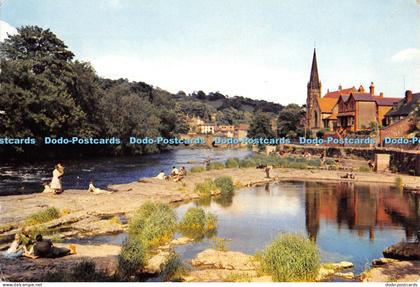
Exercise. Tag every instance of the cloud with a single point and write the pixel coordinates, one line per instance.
(113, 3)
(207, 74)
(410, 54)
(6, 28)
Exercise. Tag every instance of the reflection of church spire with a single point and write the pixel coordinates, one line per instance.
(312, 213)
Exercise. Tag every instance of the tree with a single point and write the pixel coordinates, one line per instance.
(35, 79)
(261, 126)
(289, 122)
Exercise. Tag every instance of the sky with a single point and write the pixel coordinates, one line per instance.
(260, 49)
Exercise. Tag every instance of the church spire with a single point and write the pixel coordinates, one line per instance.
(314, 82)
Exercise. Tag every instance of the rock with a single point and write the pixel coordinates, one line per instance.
(230, 260)
(343, 265)
(324, 273)
(383, 261)
(216, 192)
(224, 275)
(396, 271)
(346, 275)
(403, 251)
(181, 241)
(154, 263)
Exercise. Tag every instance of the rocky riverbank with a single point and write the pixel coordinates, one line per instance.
(86, 215)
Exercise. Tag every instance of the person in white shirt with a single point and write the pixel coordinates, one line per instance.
(96, 190)
(161, 175)
(175, 171)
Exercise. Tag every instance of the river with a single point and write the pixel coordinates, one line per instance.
(349, 221)
(28, 178)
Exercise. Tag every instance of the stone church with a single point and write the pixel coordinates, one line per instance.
(347, 110)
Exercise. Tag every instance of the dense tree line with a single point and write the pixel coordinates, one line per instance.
(44, 91)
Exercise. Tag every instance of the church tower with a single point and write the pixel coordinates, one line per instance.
(313, 93)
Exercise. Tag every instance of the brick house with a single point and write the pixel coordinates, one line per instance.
(345, 109)
(359, 110)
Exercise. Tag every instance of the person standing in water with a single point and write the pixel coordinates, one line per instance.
(58, 173)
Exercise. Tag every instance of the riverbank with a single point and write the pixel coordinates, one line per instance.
(88, 215)
(128, 197)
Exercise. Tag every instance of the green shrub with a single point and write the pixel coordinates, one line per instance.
(131, 259)
(225, 184)
(211, 222)
(197, 169)
(153, 224)
(232, 162)
(247, 162)
(291, 257)
(194, 218)
(196, 223)
(205, 188)
(314, 162)
(43, 216)
(329, 162)
(298, 165)
(172, 269)
(216, 166)
(364, 169)
(219, 244)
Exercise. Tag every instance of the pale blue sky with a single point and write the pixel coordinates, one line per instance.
(259, 49)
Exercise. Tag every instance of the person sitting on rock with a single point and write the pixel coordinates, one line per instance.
(47, 187)
(182, 171)
(174, 171)
(16, 249)
(44, 248)
(161, 175)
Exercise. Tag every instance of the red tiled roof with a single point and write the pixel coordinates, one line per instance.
(337, 94)
(326, 105)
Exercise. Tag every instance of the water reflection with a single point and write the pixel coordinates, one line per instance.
(363, 208)
(348, 221)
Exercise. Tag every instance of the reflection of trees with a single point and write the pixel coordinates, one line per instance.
(203, 201)
(225, 200)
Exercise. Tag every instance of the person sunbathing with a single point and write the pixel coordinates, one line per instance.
(95, 190)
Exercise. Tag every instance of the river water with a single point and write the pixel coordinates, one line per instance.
(28, 178)
(349, 221)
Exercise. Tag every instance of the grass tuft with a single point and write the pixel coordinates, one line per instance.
(153, 224)
(131, 259)
(197, 169)
(232, 162)
(224, 184)
(215, 166)
(291, 257)
(43, 216)
(196, 223)
(206, 188)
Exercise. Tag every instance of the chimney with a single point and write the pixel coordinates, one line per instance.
(381, 94)
(340, 87)
(361, 89)
(372, 89)
(409, 96)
